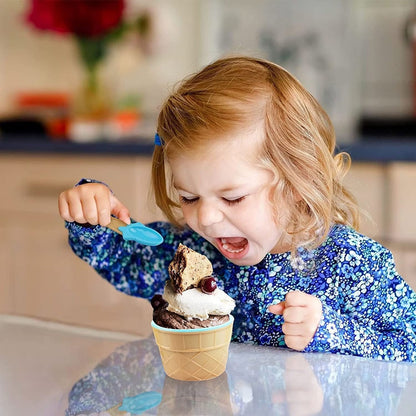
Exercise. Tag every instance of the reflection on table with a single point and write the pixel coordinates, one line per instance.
(258, 380)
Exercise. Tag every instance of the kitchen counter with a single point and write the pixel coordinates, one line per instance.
(368, 150)
(49, 371)
(382, 151)
(35, 145)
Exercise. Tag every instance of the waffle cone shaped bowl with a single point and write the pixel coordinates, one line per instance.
(194, 354)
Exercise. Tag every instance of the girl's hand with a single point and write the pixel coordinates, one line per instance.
(301, 314)
(91, 203)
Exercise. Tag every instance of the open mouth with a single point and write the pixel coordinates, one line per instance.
(233, 247)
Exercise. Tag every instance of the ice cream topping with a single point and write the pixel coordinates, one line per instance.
(187, 268)
(191, 297)
(208, 284)
(193, 303)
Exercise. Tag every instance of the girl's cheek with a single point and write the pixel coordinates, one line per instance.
(187, 214)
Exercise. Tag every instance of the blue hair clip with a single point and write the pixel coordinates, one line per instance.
(158, 140)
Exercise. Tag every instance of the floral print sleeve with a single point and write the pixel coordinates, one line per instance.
(374, 313)
(130, 267)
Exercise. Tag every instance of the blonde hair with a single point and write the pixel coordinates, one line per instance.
(298, 147)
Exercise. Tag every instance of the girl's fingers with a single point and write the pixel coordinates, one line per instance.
(297, 298)
(91, 203)
(294, 315)
(102, 209)
(119, 210)
(70, 207)
(277, 309)
(76, 210)
(293, 329)
(64, 208)
(296, 342)
(90, 211)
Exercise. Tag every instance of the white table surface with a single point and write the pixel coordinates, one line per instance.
(48, 371)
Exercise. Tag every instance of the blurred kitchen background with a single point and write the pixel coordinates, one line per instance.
(77, 106)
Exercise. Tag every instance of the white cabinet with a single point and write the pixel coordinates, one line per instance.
(401, 227)
(41, 277)
(388, 193)
(402, 185)
(367, 182)
(408, 266)
(384, 58)
(405, 259)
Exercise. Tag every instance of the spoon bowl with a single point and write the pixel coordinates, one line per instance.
(136, 231)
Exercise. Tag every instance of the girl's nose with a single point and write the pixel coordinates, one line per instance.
(209, 213)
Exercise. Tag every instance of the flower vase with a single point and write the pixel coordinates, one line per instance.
(91, 109)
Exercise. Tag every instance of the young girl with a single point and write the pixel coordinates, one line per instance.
(244, 170)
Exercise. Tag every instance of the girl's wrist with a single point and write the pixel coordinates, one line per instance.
(84, 181)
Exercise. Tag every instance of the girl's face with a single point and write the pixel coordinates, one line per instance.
(224, 197)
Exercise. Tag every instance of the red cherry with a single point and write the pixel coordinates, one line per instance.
(208, 284)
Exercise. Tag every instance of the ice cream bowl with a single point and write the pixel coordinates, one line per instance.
(194, 354)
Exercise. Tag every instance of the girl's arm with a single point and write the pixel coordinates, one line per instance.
(377, 317)
(131, 268)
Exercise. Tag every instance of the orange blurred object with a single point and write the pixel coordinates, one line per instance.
(51, 108)
(126, 120)
(44, 99)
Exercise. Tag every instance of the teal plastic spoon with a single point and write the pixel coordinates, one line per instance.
(136, 231)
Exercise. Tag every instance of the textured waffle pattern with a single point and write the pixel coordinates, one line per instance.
(194, 356)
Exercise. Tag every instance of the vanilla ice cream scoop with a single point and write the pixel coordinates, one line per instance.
(193, 303)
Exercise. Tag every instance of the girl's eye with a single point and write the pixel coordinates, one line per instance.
(185, 200)
(190, 200)
(233, 201)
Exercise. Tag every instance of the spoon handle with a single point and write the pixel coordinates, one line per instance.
(114, 224)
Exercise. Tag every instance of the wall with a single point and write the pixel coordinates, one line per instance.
(385, 58)
(373, 70)
(40, 60)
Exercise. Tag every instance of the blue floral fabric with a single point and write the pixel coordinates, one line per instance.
(368, 309)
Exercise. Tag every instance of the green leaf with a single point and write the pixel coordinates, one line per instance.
(92, 51)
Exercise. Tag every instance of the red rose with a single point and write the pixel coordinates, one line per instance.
(83, 18)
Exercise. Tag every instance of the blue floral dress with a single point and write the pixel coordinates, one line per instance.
(368, 309)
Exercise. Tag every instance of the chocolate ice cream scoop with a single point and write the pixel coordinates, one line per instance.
(167, 319)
